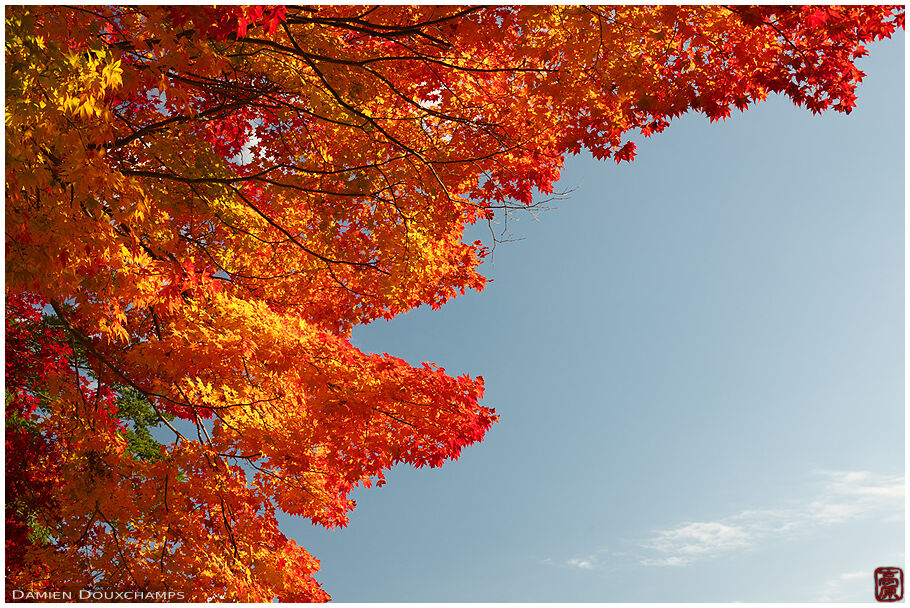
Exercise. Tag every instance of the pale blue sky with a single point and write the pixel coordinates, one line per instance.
(698, 359)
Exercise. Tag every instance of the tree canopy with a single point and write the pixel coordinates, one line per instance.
(202, 203)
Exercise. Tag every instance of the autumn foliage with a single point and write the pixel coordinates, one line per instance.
(202, 203)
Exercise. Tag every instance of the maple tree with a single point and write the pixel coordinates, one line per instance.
(209, 200)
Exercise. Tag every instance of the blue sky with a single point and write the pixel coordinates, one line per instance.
(698, 359)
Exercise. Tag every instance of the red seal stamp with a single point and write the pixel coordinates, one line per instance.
(889, 584)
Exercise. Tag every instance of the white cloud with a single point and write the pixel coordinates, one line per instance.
(837, 497)
(863, 483)
(699, 538)
(846, 587)
(825, 513)
(841, 496)
(585, 563)
(676, 560)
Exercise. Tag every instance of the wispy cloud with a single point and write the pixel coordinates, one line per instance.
(680, 545)
(841, 497)
(585, 563)
(836, 497)
(842, 588)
